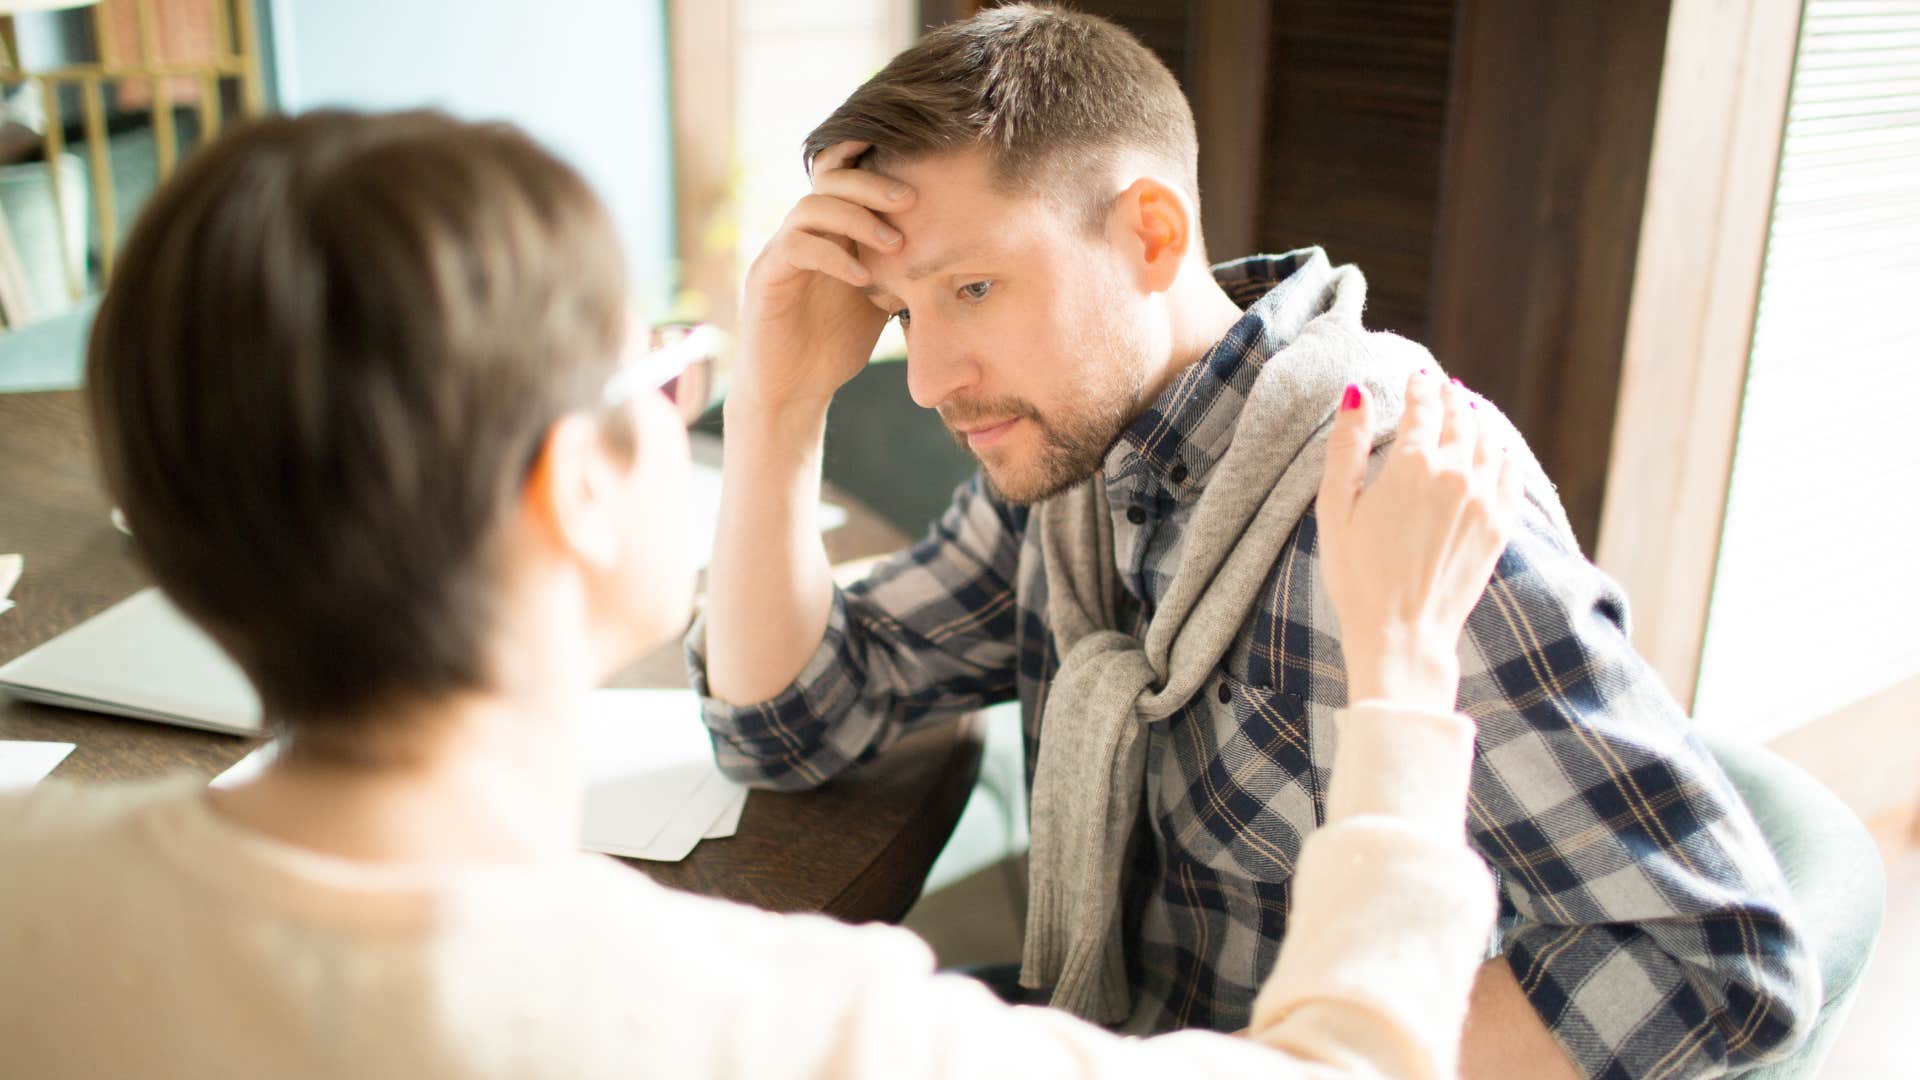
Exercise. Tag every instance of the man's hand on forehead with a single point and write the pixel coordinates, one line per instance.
(844, 211)
(806, 324)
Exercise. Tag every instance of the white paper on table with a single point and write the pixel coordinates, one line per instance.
(652, 788)
(711, 806)
(247, 767)
(684, 827)
(703, 515)
(24, 764)
(728, 822)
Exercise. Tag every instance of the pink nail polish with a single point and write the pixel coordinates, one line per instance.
(1351, 399)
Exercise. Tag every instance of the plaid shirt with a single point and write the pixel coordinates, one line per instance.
(1641, 911)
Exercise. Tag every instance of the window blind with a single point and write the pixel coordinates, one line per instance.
(1816, 598)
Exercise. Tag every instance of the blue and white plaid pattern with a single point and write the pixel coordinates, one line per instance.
(1641, 911)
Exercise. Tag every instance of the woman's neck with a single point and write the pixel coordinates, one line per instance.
(484, 780)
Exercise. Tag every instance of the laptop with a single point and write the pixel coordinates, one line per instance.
(144, 659)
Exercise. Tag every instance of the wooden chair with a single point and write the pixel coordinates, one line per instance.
(149, 64)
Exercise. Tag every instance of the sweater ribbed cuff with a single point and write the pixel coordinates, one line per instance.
(1409, 764)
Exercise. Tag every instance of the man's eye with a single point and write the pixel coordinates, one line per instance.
(902, 317)
(976, 290)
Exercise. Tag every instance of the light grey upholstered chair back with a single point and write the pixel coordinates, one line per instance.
(1835, 874)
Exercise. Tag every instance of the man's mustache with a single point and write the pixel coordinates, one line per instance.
(973, 414)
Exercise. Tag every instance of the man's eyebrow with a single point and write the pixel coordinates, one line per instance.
(931, 265)
(937, 263)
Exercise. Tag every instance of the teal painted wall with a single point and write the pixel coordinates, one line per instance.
(586, 77)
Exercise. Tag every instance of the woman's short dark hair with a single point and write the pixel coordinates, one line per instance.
(325, 358)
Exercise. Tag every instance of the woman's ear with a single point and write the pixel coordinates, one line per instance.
(572, 496)
(1157, 225)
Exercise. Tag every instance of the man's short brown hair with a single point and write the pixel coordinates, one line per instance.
(1052, 95)
(325, 361)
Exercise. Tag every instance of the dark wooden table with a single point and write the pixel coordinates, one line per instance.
(857, 848)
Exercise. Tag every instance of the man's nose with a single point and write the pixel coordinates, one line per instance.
(938, 366)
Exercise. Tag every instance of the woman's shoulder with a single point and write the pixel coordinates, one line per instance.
(57, 808)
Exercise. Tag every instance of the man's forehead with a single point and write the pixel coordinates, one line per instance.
(961, 217)
(954, 183)
(972, 162)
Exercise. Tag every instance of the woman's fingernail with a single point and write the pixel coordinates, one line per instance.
(888, 235)
(1351, 399)
(898, 192)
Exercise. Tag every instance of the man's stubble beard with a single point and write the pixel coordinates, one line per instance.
(1074, 442)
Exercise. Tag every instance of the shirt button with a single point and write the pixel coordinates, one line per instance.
(1226, 695)
(1179, 474)
(1136, 515)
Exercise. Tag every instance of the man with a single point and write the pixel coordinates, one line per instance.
(359, 383)
(1137, 564)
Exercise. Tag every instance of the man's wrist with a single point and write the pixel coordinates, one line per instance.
(788, 422)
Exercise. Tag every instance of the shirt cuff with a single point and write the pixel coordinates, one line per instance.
(810, 731)
(819, 672)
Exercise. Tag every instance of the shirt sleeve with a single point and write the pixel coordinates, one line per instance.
(1642, 912)
(929, 633)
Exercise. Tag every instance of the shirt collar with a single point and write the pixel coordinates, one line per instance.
(1183, 434)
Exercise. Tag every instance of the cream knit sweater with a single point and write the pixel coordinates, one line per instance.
(143, 935)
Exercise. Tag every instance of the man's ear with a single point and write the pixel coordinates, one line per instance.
(1156, 224)
(571, 496)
